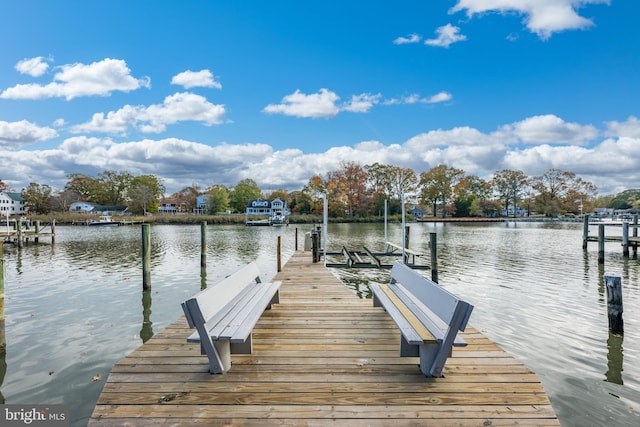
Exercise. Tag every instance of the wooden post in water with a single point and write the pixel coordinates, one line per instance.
(203, 249)
(146, 257)
(53, 231)
(585, 232)
(296, 238)
(279, 254)
(614, 304)
(3, 337)
(37, 231)
(625, 240)
(433, 245)
(19, 230)
(635, 234)
(600, 243)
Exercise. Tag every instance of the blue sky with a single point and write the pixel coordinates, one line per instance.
(211, 92)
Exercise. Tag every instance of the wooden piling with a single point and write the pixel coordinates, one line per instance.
(19, 235)
(600, 243)
(53, 231)
(37, 231)
(146, 257)
(635, 234)
(614, 304)
(625, 240)
(296, 238)
(203, 249)
(585, 232)
(279, 254)
(433, 245)
(3, 337)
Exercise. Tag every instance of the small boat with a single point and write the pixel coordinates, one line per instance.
(278, 220)
(104, 220)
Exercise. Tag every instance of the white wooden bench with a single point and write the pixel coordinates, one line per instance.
(225, 314)
(429, 317)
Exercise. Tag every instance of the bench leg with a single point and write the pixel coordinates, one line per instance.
(428, 353)
(219, 354)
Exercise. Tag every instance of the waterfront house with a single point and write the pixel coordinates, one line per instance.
(94, 208)
(267, 208)
(169, 206)
(11, 202)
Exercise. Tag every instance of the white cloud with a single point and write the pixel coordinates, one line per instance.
(75, 80)
(611, 164)
(630, 128)
(549, 129)
(361, 103)
(415, 98)
(447, 35)
(413, 38)
(202, 78)
(13, 134)
(542, 17)
(298, 104)
(183, 106)
(35, 67)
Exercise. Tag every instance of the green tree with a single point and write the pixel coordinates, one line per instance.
(218, 199)
(36, 198)
(242, 193)
(145, 192)
(510, 185)
(88, 188)
(437, 186)
(113, 187)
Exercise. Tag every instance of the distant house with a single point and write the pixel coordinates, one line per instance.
(518, 211)
(270, 208)
(202, 204)
(94, 208)
(11, 202)
(417, 212)
(82, 207)
(169, 206)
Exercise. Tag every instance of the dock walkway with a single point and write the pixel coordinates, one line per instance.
(321, 357)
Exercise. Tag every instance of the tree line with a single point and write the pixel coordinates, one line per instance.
(352, 190)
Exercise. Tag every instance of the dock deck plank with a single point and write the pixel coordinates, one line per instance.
(322, 356)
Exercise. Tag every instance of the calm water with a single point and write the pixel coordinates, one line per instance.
(76, 307)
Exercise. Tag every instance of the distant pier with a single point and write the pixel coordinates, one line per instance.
(628, 239)
(19, 232)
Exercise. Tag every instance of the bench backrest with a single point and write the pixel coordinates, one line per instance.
(441, 302)
(214, 299)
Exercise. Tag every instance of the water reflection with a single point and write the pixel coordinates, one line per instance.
(614, 359)
(147, 331)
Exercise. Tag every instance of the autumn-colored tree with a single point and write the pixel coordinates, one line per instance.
(510, 185)
(559, 191)
(186, 198)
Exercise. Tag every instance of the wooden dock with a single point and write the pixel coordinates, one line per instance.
(320, 357)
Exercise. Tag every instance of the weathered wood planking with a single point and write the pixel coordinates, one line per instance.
(321, 357)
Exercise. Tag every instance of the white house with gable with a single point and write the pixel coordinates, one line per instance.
(12, 203)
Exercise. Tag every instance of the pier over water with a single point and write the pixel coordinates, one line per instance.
(322, 356)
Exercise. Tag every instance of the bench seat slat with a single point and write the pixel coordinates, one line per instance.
(410, 334)
(406, 312)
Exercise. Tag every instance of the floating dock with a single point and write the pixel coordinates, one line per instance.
(321, 357)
